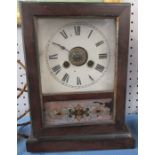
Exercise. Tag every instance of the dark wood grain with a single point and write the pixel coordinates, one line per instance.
(121, 12)
(78, 96)
(34, 145)
(74, 9)
(32, 70)
(105, 128)
(122, 61)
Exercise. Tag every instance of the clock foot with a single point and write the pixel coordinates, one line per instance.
(86, 142)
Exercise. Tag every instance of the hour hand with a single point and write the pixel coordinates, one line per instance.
(62, 47)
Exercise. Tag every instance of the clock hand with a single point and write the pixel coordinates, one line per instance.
(62, 47)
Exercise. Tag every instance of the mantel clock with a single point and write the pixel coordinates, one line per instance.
(76, 56)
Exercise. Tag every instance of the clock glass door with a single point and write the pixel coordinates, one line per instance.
(77, 56)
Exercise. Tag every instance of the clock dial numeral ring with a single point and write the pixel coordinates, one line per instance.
(83, 49)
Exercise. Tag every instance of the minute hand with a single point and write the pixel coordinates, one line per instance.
(62, 47)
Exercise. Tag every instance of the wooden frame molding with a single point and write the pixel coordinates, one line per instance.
(32, 10)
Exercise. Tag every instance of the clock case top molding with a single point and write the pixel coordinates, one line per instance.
(51, 138)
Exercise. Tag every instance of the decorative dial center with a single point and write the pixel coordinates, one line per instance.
(78, 56)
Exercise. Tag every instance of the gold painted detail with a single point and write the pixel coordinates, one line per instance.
(78, 112)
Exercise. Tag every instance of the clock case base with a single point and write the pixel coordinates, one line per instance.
(122, 140)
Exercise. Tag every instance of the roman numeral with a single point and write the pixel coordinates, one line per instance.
(99, 68)
(54, 56)
(65, 78)
(91, 31)
(99, 43)
(103, 56)
(91, 78)
(56, 69)
(78, 81)
(63, 33)
(77, 30)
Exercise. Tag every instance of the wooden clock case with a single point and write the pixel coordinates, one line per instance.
(84, 137)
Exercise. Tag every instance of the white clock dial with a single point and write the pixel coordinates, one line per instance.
(77, 55)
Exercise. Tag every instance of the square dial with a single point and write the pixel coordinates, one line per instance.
(76, 55)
